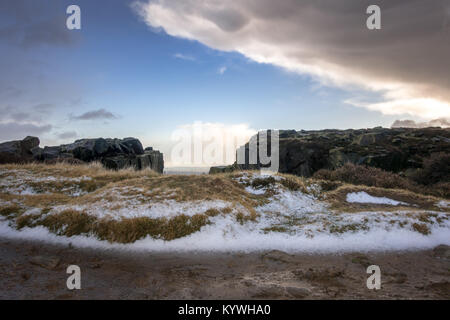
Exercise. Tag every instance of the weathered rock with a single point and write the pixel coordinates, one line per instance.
(278, 256)
(18, 151)
(156, 161)
(49, 263)
(153, 160)
(29, 143)
(87, 149)
(119, 162)
(298, 292)
(134, 145)
(267, 291)
(221, 169)
(49, 153)
(442, 251)
(144, 161)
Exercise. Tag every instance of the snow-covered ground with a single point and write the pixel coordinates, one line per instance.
(290, 221)
(224, 234)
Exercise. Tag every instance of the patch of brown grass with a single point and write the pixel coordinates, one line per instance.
(293, 183)
(280, 229)
(265, 182)
(421, 228)
(242, 218)
(11, 210)
(44, 200)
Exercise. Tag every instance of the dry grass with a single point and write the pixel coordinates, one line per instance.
(94, 170)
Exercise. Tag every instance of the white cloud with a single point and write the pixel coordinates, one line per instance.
(406, 62)
(184, 57)
(222, 70)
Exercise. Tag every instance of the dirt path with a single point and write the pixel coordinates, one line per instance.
(38, 271)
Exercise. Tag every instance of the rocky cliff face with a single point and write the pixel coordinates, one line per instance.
(305, 152)
(112, 153)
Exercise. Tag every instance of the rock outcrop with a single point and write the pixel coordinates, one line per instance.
(112, 153)
(398, 150)
(20, 151)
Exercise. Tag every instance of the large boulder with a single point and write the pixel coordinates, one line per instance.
(97, 149)
(87, 149)
(119, 162)
(134, 145)
(152, 159)
(19, 151)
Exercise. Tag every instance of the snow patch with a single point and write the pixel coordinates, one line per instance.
(364, 197)
(443, 204)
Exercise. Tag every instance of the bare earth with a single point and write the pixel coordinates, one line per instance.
(38, 271)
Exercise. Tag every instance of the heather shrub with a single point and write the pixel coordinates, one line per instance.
(368, 176)
(441, 189)
(436, 169)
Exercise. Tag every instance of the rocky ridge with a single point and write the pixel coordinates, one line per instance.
(397, 150)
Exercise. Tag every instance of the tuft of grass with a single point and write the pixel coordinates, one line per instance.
(421, 228)
(280, 229)
(260, 183)
(292, 184)
(11, 211)
(69, 223)
(243, 218)
(354, 227)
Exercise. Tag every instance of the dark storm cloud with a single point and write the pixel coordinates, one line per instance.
(406, 61)
(443, 123)
(15, 130)
(67, 135)
(43, 107)
(33, 23)
(100, 114)
(20, 114)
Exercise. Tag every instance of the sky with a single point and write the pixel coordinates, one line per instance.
(145, 68)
